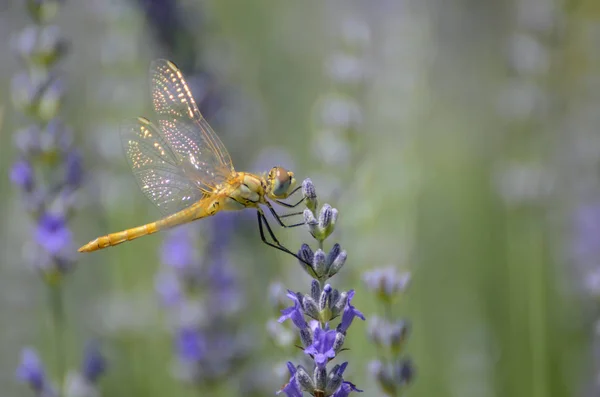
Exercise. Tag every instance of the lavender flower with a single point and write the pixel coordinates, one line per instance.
(31, 371)
(321, 305)
(81, 383)
(393, 372)
(386, 283)
(93, 364)
(47, 171)
(48, 167)
(202, 296)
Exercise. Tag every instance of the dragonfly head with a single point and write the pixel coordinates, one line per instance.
(280, 183)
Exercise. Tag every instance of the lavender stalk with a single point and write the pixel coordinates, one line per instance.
(47, 172)
(392, 371)
(320, 306)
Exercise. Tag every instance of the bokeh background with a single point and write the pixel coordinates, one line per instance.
(457, 139)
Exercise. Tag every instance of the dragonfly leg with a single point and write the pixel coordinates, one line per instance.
(291, 205)
(292, 214)
(278, 217)
(277, 244)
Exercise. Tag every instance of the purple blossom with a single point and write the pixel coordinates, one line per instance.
(205, 296)
(31, 370)
(292, 388)
(73, 169)
(191, 345)
(322, 304)
(53, 234)
(386, 282)
(322, 346)
(345, 389)
(226, 294)
(178, 251)
(21, 174)
(349, 313)
(294, 312)
(94, 364)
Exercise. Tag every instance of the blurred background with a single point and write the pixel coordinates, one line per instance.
(457, 139)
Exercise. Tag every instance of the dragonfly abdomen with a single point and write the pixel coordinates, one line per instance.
(201, 209)
(113, 239)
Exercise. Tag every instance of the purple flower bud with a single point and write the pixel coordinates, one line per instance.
(340, 338)
(340, 304)
(305, 380)
(404, 372)
(387, 282)
(335, 378)
(333, 253)
(335, 297)
(320, 376)
(306, 337)
(21, 174)
(31, 371)
(384, 378)
(315, 290)
(94, 364)
(177, 250)
(74, 169)
(53, 234)
(191, 345)
(307, 256)
(337, 264)
(311, 222)
(310, 194)
(325, 297)
(310, 307)
(325, 217)
(319, 263)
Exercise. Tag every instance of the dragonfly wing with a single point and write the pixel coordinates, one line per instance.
(156, 167)
(183, 127)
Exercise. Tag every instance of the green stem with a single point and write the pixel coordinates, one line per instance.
(59, 325)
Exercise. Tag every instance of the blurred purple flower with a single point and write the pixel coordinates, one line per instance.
(74, 169)
(191, 345)
(21, 174)
(177, 250)
(31, 370)
(94, 364)
(53, 234)
(586, 244)
(386, 282)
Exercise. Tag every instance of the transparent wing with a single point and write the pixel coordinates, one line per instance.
(156, 167)
(195, 145)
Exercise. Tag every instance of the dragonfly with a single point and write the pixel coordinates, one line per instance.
(182, 166)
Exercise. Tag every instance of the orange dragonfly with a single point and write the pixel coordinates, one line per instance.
(184, 169)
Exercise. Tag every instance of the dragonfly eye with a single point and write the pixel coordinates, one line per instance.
(281, 181)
